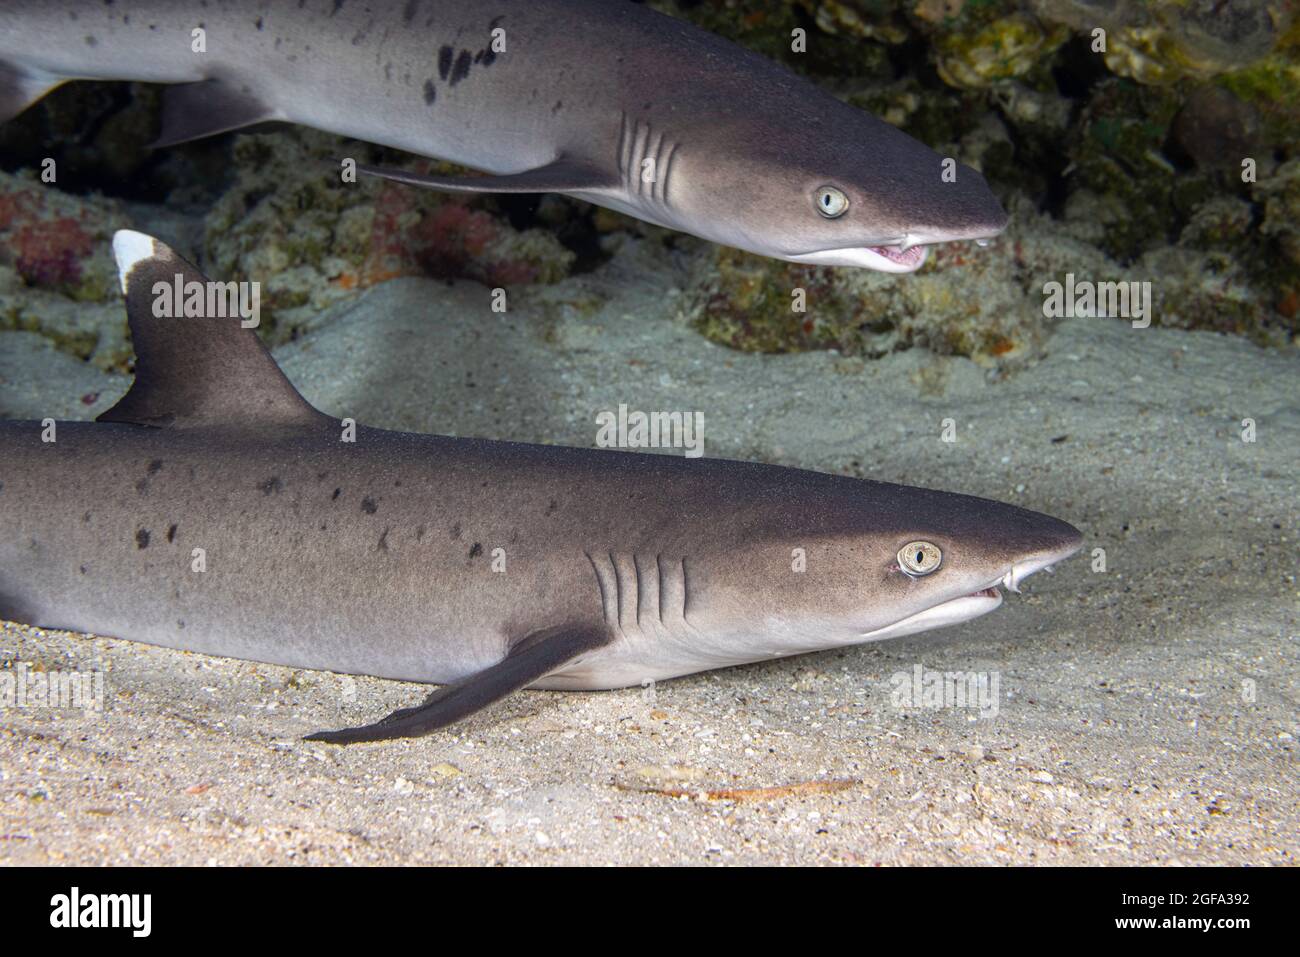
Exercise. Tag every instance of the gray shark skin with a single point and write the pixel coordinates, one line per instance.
(486, 566)
(603, 100)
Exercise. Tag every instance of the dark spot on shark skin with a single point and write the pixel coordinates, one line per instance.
(180, 622)
(83, 569)
(444, 61)
(142, 538)
(337, 493)
(322, 476)
(383, 539)
(455, 531)
(461, 68)
(556, 107)
(338, 5)
(91, 41)
(368, 505)
(475, 550)
(86, 517)
(171, 532)
(271, 486)
(430, 92)
(552, 507)
(411, 9)
(154, 468)
(419, 532)
(258, 23)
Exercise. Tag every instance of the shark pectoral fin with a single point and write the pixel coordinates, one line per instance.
(19, 89)
(561, 176)
(531, 659)
(198, 361)
(192, 111)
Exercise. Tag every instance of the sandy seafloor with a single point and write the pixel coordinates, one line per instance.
(1147, 713)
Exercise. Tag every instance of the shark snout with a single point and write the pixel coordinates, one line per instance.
(1054, 541)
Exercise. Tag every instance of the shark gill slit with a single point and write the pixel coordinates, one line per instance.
(639, 144)
(664, 170)
(622, 147)
(659, 583)
(686, 593)
(603, 588)
(640, 589)
(618, 593)
(653, 143)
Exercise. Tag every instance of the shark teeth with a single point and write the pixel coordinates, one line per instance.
(911, 256)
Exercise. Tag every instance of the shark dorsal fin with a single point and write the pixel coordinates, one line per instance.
(194, 370)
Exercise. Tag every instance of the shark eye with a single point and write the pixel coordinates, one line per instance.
(831, 202)
(919, 558)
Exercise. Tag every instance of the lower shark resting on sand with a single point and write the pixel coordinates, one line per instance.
(604, 100)
(212, 509)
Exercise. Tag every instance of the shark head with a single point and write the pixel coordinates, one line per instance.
(952, 561)
(823, 183)
(849, 561)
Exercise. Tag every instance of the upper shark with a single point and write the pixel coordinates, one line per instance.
(603, 100)
(212, 509)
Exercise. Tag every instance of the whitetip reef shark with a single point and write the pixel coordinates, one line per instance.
(603, 100)
(483, 566)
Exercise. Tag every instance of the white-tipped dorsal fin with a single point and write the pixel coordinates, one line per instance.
(196, 364)
(130, 248)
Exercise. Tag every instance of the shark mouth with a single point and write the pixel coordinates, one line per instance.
(969, 606)
(951, 612)
(896, 258)
(907, 260)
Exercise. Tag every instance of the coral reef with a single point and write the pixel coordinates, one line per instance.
(57, 275)
(1128, 123)
(290, 222)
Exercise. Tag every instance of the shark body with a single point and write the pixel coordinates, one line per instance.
(603, 100)
(212, 509)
